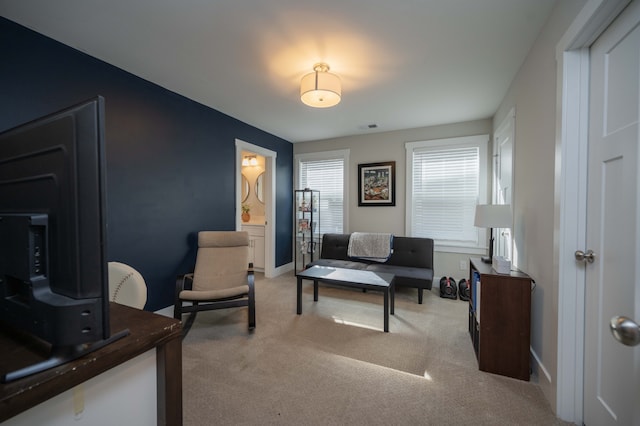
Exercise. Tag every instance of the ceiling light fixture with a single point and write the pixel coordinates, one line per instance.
(320, 89)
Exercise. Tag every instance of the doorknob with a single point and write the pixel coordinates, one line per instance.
(625, 330)
(588, 256)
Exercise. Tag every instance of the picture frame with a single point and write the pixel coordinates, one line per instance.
(303, 225)
(377, 184)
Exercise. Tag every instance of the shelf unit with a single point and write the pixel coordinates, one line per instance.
(500, 319)
(306, 227)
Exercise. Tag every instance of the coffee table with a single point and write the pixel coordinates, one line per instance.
(367, 280)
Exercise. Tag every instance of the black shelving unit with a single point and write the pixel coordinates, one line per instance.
(306, 227)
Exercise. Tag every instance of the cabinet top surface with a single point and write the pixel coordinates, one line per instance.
(487, 269)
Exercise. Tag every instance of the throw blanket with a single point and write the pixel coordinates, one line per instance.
(370, 246)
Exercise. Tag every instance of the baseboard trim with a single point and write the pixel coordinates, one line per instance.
(540, 366)
(540, 376)
(283, 269)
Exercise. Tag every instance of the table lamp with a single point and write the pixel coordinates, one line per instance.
(492, 216)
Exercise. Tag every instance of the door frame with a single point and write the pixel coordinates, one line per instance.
(269, 196)
(507, 126)
(570, 197)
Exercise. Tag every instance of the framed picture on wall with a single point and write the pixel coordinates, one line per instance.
(377, 184)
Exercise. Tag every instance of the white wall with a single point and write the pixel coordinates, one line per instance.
(123, 395)
(390, 146)
(533, 95)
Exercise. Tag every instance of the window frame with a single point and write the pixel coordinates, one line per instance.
(342, 154)
(482, 143)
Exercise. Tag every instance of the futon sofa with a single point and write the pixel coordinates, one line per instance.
(411, 260)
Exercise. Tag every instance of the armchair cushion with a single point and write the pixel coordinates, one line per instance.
(222, 260)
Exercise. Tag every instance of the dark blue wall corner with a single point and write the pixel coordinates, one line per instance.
(170, 160)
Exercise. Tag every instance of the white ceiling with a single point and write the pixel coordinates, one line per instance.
(403, 63)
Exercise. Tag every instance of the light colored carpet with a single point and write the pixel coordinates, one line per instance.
(333, 365)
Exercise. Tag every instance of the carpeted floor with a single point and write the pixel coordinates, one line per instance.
(333, 365)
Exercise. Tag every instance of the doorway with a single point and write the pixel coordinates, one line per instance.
(612, 371)
(267, 190)
(503, 141)
(573, 59)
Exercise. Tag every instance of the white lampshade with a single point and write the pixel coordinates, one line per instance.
(493, 216)
(320, 89)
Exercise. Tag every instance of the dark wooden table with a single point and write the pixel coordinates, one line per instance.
(147, 331)
(367, 280)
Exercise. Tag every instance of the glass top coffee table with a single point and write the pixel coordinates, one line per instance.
(355, 278)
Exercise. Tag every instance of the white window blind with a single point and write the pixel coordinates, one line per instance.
(446, 184)
(326, 176)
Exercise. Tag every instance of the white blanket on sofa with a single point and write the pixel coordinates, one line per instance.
(370, 246)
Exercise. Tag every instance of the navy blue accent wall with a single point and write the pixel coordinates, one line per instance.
(170, 160)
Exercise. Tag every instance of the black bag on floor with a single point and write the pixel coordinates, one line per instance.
(448, 288)
(464, 290)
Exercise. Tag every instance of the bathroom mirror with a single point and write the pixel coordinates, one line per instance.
(260, 187)
(245, 189)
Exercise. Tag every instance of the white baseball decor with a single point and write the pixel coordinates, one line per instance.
(126, 286)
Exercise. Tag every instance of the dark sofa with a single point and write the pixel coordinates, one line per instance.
(411, 261)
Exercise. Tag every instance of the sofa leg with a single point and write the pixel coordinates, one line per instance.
(420, 296)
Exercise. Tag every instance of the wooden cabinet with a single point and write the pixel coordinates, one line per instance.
(500, 319)
(256, 245)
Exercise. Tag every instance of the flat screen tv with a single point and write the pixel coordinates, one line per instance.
(53, 242)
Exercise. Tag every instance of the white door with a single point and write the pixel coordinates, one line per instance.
(503, 179)
(612, 370)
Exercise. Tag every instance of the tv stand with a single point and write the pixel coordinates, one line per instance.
(61, 355)
(148, 331)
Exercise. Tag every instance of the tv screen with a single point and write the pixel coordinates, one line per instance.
(53, 268)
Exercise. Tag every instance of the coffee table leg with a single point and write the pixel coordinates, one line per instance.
(315, 290)
(299, 291)
(386, 310)
(392, 288)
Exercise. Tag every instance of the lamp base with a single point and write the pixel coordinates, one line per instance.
(486, 259)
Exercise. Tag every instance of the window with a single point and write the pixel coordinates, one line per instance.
(326, 172)
(446, 179)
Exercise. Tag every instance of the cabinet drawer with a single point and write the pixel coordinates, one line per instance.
(254, 230)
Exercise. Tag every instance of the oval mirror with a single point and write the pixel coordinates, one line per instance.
(245, 189)
(260, 187)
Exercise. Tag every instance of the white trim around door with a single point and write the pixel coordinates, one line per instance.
(270, 200)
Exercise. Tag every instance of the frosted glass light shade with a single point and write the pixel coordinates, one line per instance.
(320, 89)
(249, 160)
